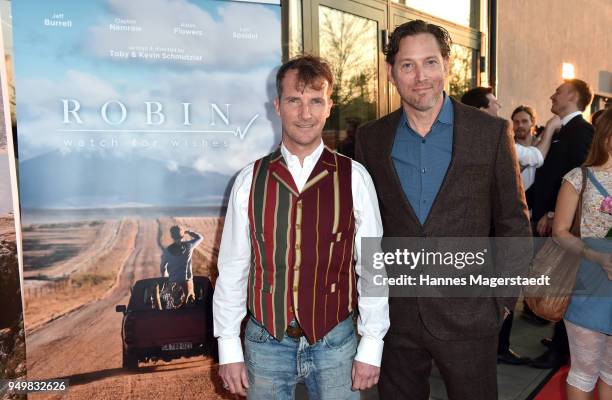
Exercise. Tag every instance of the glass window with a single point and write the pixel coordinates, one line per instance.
(457, 11)
(296, 42)
(461, 70)
(350, 44)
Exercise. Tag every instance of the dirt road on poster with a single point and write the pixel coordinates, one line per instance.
(84, 345)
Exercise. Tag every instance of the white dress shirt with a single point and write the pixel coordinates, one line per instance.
(529, 158)
(229, 303)
(570, 117)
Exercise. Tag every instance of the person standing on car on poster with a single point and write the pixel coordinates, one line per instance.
(176, 259)
(290, 255)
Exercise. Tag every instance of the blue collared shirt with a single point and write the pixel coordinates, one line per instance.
(421, 162)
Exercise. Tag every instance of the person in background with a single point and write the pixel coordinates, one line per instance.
(588, 318)
(483, 99)
(596, 116)
(530, 154)
(529, 151)
(347, 146)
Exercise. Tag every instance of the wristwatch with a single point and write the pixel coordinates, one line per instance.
(550, 214)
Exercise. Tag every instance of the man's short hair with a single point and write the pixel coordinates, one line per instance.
(311, 71)
(413, 28)
(585, 93)
(175, 232)
(525, 109)
(477, 97)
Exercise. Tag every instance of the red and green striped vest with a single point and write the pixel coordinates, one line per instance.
(302, 246)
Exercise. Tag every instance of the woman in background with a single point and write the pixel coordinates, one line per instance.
(589, 315)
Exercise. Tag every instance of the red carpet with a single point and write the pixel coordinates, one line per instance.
(555, 387)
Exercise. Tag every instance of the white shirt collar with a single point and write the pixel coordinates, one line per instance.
(311, 159)
(569, 117)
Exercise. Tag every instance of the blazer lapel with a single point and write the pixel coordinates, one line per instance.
(461, 145)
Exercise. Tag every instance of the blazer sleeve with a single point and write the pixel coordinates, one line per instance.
(513, 245)
(577, 148)
(579, 145)
(359, 155)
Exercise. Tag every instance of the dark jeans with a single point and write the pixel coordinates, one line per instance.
(504, 334)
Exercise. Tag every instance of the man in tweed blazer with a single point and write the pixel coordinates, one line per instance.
(440, 169)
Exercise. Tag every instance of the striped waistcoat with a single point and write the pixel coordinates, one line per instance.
(302, 246)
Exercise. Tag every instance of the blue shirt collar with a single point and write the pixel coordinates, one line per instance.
(445, 116)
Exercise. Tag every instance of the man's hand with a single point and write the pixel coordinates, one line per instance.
(545, 226)
(364, 375)
(554, 124)
(234, 376)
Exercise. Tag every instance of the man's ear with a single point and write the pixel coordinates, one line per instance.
(277, 105)
(390, 73)
(575, 96)
(330, 104)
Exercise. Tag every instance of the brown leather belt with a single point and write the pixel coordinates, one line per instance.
(295, 332)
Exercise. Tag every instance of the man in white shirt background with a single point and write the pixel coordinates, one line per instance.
(290, 255)
(531, 150)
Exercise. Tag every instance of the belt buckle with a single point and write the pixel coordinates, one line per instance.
(294, 332)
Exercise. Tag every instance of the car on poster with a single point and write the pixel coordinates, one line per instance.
(160, 323)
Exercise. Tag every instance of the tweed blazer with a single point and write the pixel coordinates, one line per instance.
(481, 192)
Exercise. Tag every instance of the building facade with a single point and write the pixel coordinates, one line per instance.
(515, 46)
(536, 37)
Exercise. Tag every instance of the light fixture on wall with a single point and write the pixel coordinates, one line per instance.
(568, 71)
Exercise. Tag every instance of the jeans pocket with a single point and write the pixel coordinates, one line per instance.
(342, 334)
(256, 333)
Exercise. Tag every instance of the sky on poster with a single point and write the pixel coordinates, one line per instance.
(232, 61)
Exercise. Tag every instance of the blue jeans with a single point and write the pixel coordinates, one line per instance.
(274, 368)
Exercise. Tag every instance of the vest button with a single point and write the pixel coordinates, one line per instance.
(297, 226)
(295, 288)
(297, 246)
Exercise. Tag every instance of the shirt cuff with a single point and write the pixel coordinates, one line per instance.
(230, 350)
(370, 351)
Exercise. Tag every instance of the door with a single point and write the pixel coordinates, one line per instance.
(348, 34)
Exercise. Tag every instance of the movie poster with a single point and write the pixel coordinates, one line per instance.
(132, 117)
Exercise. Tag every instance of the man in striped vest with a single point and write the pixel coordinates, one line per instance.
(290, 254)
